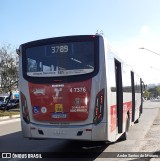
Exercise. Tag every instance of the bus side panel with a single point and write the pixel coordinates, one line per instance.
(24, 96)
(99, 131)
(136, 97)
(138, 105)
(138, 100)
(111, 96)
(127, 96)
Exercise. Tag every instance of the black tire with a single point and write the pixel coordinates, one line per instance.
(137, 121)
(125, 134)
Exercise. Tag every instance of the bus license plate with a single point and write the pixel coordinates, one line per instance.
(59, 115)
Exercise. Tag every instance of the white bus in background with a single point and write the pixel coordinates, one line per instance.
(76, 88)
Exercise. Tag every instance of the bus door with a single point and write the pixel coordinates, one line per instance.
(119, 96)
(133, 96)
(141, 87)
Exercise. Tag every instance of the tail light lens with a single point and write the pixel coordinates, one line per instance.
(24, 107)
(99, 107)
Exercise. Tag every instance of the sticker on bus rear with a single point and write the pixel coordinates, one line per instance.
(58, 108)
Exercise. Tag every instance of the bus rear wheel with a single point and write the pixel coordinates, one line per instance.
(125, 134)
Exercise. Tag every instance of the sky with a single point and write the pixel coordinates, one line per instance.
(127, 24)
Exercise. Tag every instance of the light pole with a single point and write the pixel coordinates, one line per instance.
(150, 51)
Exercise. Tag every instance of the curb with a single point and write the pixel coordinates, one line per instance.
(9, 117)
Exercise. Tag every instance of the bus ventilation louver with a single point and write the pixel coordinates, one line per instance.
(99, 107)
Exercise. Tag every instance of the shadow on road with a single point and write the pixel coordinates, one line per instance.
(60, 149)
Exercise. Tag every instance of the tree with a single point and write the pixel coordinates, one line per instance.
(147, 94)
(8, 69)
(155, 91)
(158, 90)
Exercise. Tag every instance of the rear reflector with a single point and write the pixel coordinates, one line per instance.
(99, 107)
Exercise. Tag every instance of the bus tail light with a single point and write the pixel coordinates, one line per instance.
(24, 107)
(99, 107)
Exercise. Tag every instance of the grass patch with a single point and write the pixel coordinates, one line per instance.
(8, 113)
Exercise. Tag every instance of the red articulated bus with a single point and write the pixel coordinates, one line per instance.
(76, 88)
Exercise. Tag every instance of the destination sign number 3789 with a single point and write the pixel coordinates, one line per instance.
(59, 49)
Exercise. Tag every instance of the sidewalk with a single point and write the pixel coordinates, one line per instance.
(3, 118)
(152, 139)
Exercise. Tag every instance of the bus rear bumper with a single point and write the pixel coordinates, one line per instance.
(34, 131)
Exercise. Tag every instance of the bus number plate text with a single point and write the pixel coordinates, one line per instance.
(59, 115)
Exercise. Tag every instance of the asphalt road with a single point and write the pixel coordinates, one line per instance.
(11, 139)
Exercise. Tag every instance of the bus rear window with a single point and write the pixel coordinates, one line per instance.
(63, 59)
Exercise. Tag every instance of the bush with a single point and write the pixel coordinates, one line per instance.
(8, 113)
